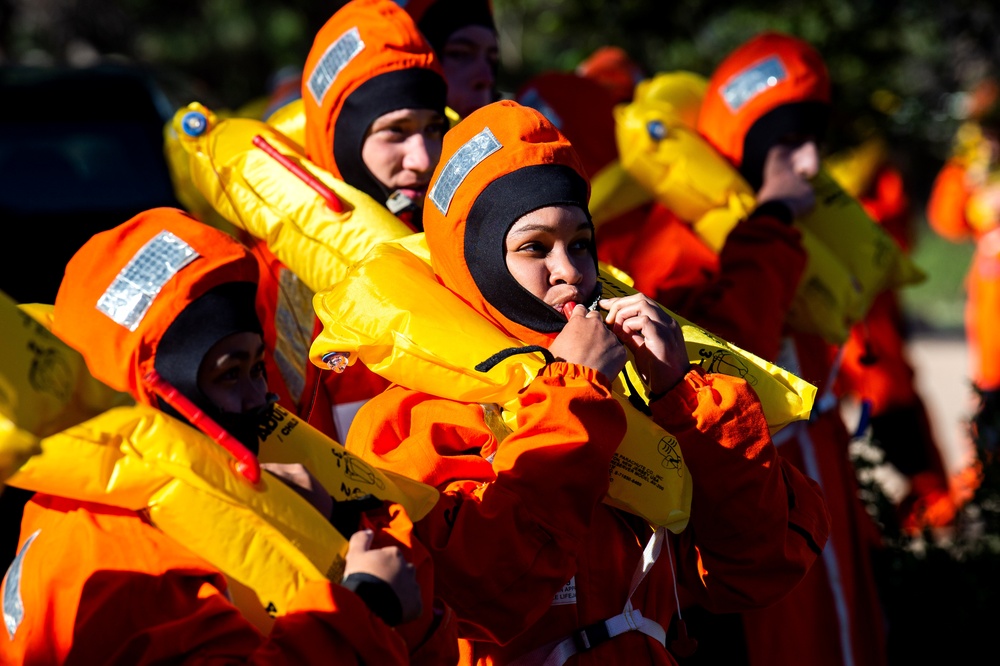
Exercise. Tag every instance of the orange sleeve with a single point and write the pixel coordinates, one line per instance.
(97, 584)
(759, 523)
(874, 365)
(762, 255)
(946, 205)
(432, 638)
(513, 513)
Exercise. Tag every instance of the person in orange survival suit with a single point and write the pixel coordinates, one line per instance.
(875, 367)
(374, 101)
(965, 205)
(96, 583)
(722, 293)
(765, 107)
(509, 233)
(464, 37)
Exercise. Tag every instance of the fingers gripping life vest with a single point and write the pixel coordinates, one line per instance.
(44, 384)
(256, 193)
(264, 535)
(394, 316)
(851, 258)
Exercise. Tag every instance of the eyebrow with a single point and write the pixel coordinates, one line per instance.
(241, 355)
(543, 227)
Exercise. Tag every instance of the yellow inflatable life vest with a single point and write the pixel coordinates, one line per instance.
(613, 191)
(264, 535)
(663, 151)
(44, 384)
(256, 193)
(290, 122)
(416, 332)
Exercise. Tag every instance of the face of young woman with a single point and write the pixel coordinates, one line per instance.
(232, 373)
(548, 252)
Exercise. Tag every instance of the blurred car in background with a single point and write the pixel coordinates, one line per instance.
(81, 150)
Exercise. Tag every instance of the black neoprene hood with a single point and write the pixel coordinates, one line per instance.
(414, 88)
(221, 311)
(497, 208)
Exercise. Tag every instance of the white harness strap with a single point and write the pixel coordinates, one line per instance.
(630, 619)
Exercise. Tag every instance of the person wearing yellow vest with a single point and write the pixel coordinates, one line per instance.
(373, 98)
(536, 566)
(764, 111)
(162, 307)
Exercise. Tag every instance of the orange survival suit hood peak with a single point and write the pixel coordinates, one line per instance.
(500, 163)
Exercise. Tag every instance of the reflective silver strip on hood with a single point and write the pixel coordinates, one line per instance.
(129, 297)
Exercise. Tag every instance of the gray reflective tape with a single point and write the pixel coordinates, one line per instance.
(129, 297)
(333, 60)
(744, 86)
(533, 99)
(465, 159)
(13, 605)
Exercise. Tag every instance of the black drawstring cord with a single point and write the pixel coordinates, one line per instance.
(503, 354)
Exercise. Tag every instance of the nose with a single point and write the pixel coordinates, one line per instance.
(420, 153)
(486, 71)
(805, 159)
(253, 394)
(562, 270)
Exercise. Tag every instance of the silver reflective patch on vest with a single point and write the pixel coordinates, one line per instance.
(333, 60)
(13, 605)
(751, 82)
(130, 296)
(465, 159)
(533, 99)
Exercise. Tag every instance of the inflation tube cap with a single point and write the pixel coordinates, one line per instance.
(194, 123)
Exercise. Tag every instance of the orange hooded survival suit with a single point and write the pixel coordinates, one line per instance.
(95, 583)
(367, 60)
(533, 558)
(774, 86)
